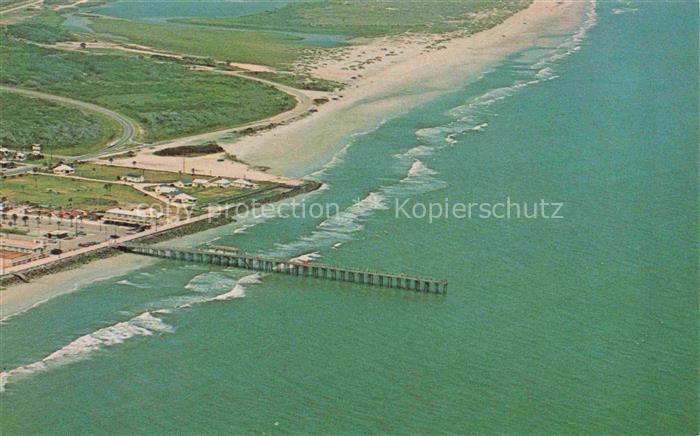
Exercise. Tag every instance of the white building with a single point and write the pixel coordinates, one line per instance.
(134, 178)
(140, 217)
(184, 183)
(165, 189)
(243, 183)
(63, 170)
(221, 183)
(183, 198)
(35, 248)
(200, 182)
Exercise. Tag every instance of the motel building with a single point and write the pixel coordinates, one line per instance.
(18, 251)
(136, 217)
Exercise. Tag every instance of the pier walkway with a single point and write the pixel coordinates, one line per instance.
(237, 259)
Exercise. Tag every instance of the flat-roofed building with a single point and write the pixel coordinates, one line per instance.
(136, 217)
(134, 178)
(22, 246)
(13, 258)
(18, 251)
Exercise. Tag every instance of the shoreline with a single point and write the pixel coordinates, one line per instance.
(428, 66)
(64, 276)
(379, 93)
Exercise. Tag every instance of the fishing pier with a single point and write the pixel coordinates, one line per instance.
(232, 257)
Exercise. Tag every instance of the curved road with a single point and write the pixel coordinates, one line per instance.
(130, 128)
(304, 104)
(19, 6)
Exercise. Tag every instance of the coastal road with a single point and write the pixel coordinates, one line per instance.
(19, 6)
(304, 98)
(130, 128)
(304, 104)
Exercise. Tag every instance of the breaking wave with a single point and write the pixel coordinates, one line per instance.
(237, 291)
(209, 282)
(144, 324)
(337, 228)
(625, 10)
(474, 115)
(340, 227)
(132, 284)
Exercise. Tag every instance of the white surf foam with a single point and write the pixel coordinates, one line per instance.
(473, 116)
(618, 11)
(337, 228)
(132, 284)
(340, 227)
(144, 324)
(210, 282)
(236, 291)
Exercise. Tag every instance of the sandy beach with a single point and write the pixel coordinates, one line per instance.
(397, 73)
(403, 72)
(22, 297)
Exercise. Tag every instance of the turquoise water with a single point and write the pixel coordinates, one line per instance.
(585, 324)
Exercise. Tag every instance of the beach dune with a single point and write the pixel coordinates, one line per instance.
(416, 72)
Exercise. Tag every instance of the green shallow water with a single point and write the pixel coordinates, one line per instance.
(586, 324)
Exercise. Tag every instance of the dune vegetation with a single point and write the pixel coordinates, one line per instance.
(376, 18)
(166, 98)
(61, 130)
(266, 48)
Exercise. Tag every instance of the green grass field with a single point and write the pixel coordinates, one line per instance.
(375, 18)
(109, 172)
(60, 129)
(166, 98)
(45, 190)
(265, 48)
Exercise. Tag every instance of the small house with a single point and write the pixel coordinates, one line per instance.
(134, 178)
(63, 170)
(184, 183)
(221, 183)
(183, 198)
(200, 182)
(164, 189)
(243, 183)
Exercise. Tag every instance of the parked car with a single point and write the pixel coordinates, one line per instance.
(56, 251)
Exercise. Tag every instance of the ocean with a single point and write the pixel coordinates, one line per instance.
(581, 324)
